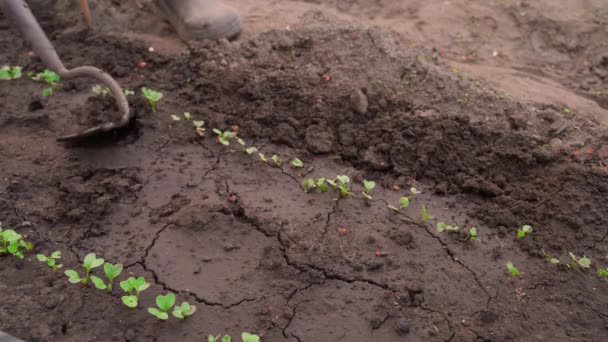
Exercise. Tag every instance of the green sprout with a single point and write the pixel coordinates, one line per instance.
(276, 160)
(112, 272)
(241, 142)
(297, 163)
(251, 150)
(414, 191)
(308, 184)
(523, 231)
(602, 273)
(441, 227)
(90, 262)
(576, 261)
(247, 337)
(319, 184)
(404, 202)
(8, 73)
(131, 285)
(549, 258)
(369, 186)
(425, 214)
(512, 270)
(175, 117)
(49, 77)
(51, 260)
(152, 96)
(473, 234)
(341, 183)
(198, 123)
(184, 310)
(11, 242)
(187, 116)
(223, 137)
(164, 303)
(262, 157)
(98, 89)
(129, 92)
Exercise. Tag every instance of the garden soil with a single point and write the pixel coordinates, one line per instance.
(495, 112)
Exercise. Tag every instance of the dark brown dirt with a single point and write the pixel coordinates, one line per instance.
(241, 240)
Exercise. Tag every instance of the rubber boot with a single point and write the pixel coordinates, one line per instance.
(201, 19)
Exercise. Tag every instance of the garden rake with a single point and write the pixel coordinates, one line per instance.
(19, 12)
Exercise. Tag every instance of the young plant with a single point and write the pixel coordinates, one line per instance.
(50, 78)
(164, 303)
(514, 272)
(369, 186)
(247, 337)
(199, 127)
(473, 234)
(223, 137)
(152, 96)
(90, 262)
(184, 310)
(583, 262)
(175, 117)
(11, 242)
(251, 150)
(276, 160)
(133, 287)
(523, 231)
(404, 202)
(297, 163)
(425, 214)
(602, 273)
(442, 227)
(187, 116)
(263, 158)
(226, 338)
(98, 89)
(112, 272)
(129, 92)
(308, 184)
(8, 73)
(549, 258)
(51, 260)
(340, 183)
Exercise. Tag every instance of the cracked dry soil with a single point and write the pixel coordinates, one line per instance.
(254, 252)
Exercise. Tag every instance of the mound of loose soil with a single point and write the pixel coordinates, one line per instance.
(241, 240)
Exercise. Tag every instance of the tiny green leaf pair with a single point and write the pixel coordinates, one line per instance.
(441, 227)
(90, 262)
(247, 337)
(112, 272)
(166, 302)
(369, 186)
(11, 242)
(524, 231)
(133, 287)
(152, 96)
(512, 270)
(51, 260)
(8, 73)
(224, 137)
(341, 183)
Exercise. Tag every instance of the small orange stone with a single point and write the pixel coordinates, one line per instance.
(343, 231)
(234, 128)
(396, 187)
(590, 151)
(142, 64)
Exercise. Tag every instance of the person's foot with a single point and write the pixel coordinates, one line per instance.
(201, 19)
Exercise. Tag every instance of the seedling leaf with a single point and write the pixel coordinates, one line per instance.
(130, 301)
(512, 270)
(247, 337)
(425, 214)
(98, 283)
(297, 163)
(159, 314)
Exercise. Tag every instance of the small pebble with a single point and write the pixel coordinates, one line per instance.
(404, 326)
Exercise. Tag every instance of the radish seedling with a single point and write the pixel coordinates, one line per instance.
(129, 92)
(441, 227)
(523, 231)
(247, 337)
(404, 202)
(112, 272)
(187, 116)
(308, 184)
(199, 127)
(340, 183)
(175, 117)
(164, 303)
(11, 242)
(473, 234)
(549, 258)
(276, 160)
(425, 214)
(152, 96)
(223, 137)
(297, 163)
(602, 273)
(8, 73)
(184, 310)
(51, 260)
(226, 338)
(49, 77)
(262, 157)
(512, 270)
(90, 262)
(369, 186)
(321, 185)
(98, 89)
(251, 150)
(130, 285)
(576, 261)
